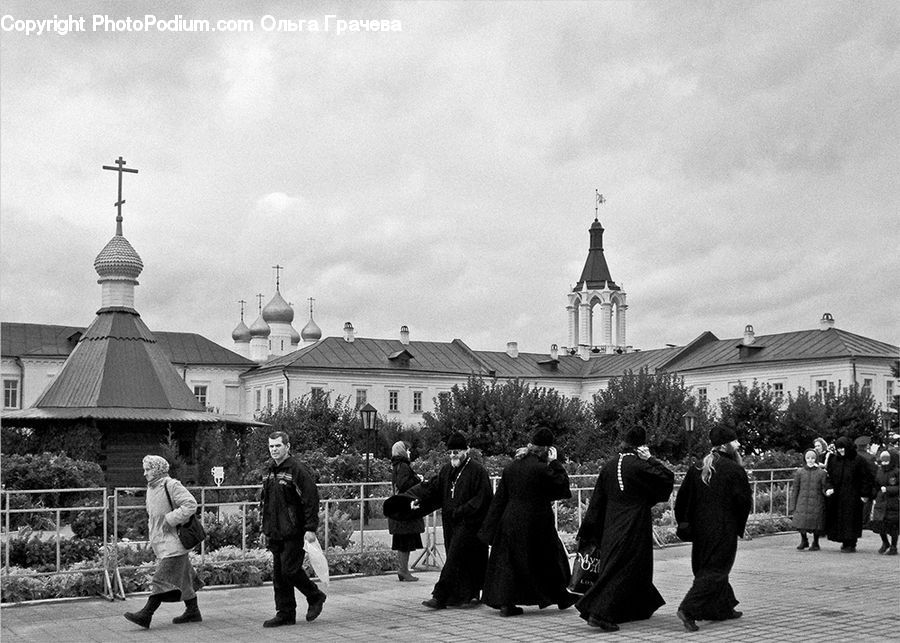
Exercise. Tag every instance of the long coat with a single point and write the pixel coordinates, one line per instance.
(886, 510)
(528, 563)
(463, 494)
(717, 514)
(808, 499)
(404, 478)
(162, 518)
(618, 520)
(850, 477)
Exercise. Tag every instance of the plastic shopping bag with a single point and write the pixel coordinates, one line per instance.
(317, 560)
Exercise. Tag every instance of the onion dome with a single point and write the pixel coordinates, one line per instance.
(311, 332)
(295, 336)
(241, 333)
(278, 310)
(118, 259)
(260, 328)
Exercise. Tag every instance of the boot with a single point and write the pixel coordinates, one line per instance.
(884, 545)
(144, 616)
(815, 545)
(804, 543)
(191, 613)
(892, 551)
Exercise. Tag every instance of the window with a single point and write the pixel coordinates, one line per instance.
(417, 401)
(200, 393)
(702, 395)
(393, 401)
(269, 398)
(778, 390)
(258, 399)
(360, 398)
(889, 392)
(10, 394)
(280, 398)
(316, 391)
(867, 387)
(821, 388)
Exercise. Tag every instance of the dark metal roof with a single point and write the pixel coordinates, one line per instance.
(797, 345)
(615, 365)
(137, 415)
(596, 272)
(22, 340)
(118, 363)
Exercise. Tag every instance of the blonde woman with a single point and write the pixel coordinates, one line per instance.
(168, 504)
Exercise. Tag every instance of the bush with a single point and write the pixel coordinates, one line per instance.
(29, 549)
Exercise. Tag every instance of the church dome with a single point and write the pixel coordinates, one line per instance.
(241, 333)
(278, 310)
(311, 332)
(259, 328)
(295, 336)
(118, 259)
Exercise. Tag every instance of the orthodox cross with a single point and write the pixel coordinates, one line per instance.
(242, 303)
(599, 200)
(277, 270)
(259, 299)
(120, 162)
(310, 300)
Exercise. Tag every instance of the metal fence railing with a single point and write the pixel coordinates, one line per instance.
(122, 513)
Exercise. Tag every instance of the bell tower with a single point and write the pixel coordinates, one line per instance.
(596, 288)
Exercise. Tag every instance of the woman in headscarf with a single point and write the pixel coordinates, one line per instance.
(850, 483)
(168, 504)
(406, 533)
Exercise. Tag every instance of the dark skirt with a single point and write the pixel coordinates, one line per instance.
(406, 542)
(175, 579)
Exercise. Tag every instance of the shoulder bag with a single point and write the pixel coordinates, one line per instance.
(190, 533)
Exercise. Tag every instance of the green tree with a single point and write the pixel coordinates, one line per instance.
(313, 422)
(754, 414)
(655, 402)
(803, 420)
(498, 417)
(853, 412)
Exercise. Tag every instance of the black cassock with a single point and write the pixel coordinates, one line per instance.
(717, 514)
(618, 519)
(464, 495)
(528, 563)
(850, 477)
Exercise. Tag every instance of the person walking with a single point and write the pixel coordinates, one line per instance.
(528, 564)
(849, 487)
(714, 500)
(289, 509)
(618, 521)
(462, 490)
(808, 501)
(169, 504)
(405, 534)
(886, 510)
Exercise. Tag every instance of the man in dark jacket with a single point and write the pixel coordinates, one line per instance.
(618, 521)
(290, 514)
(528, 563)
(462, 489)
(713, 503)
(849, 487)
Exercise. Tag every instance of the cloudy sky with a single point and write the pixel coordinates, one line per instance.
(442, 176)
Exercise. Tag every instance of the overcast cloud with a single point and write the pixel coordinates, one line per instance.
(443, 176)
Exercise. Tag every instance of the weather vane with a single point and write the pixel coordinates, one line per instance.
(120, 162)
(598, 201)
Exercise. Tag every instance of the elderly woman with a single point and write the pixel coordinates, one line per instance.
(168, 504)
(405, 533)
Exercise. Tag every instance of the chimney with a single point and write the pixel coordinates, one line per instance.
(512, 349)
(554, 351)
(348, 333)
(404, 335)
(826, 322)
(749, 337)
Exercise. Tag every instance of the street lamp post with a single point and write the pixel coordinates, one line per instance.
(368, 414)
(690, 420)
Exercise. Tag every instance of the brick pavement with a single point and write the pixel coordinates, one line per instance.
(785, 595)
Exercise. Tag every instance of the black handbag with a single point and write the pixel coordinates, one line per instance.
(684, 532)
(585, 570)
(190, 533)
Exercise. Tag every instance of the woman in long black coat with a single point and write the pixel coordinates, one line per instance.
(528, 563)
(405, 533)
(618, 520)
(850, 483)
